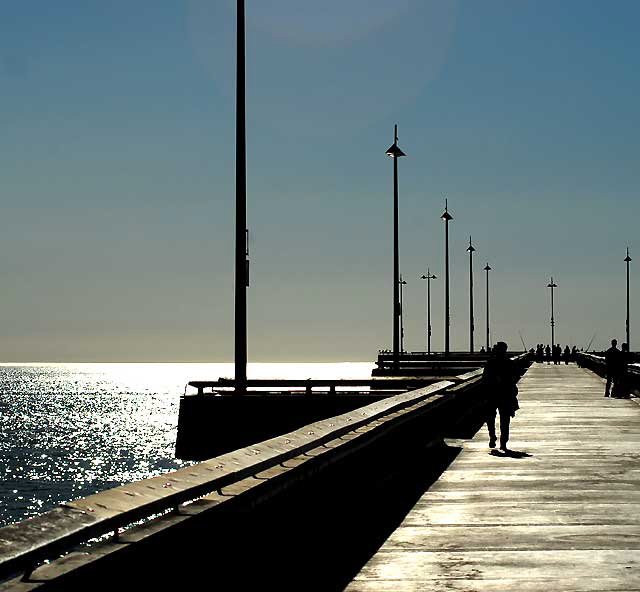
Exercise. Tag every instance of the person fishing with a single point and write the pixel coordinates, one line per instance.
(499, 379)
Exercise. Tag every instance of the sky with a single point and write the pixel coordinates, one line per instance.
(117, 174)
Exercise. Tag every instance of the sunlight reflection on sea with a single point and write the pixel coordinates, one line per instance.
(69, 430)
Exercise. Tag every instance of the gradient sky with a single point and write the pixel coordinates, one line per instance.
(117, 173)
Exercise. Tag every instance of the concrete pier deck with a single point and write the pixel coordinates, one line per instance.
(565, 517)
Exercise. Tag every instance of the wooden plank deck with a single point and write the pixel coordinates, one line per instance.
(566, 518)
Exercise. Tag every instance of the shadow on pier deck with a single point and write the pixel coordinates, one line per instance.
(357, 499)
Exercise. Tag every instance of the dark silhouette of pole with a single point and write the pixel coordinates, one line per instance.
(470, 249)
(446, 216)
(242, 262)
(395, 153)
(553, 286)
(428, 277)
(402, 283)
(487, 269)
(627, 261)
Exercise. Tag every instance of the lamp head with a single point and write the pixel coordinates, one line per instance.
(470, 248)
(446, 215)
(394, 151)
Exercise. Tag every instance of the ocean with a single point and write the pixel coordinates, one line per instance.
(70, 430)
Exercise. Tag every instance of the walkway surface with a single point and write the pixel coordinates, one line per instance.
(566, 518)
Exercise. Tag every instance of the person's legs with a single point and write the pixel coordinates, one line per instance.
(491, 426)
(607, 390)
(505, 419)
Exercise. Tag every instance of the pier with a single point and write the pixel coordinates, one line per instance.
(400, 494)
(564, 517)
(215, 419)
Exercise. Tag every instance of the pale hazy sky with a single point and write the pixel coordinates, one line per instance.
(117, 173)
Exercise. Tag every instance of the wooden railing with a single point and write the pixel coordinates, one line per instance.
(597, 364)
(320, 385)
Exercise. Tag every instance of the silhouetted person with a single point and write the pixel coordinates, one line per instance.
(621, 383)
(482, 350)
(574, 353)
(612, 365)
(566, 355)
(499, 379)
(547, 351)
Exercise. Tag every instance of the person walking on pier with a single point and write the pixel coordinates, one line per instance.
(547, 351)
(621, 382)
(499, 378)
(612, 364)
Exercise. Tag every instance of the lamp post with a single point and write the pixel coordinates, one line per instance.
(627, 260)
(395, 153)
(402, 283)
(470, 249)
(487, 269)
(553, 286)
(241, 261)
(446, 216)
(428, 277)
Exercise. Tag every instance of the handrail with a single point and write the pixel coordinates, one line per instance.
(309, 383)
(26, 544)
(599, 361)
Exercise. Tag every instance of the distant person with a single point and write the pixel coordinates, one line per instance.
(499, 379)
(482, 350)
(574, 353)
(621, 388)
(612, 365)
(566, 356)
(547, 351)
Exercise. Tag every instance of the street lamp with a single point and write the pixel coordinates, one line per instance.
(487, 269)
(627, 260)
(428, 277)
(446, 216)
(241, 261)
(402, 283)
(470, 249)
(552, 285)
(395, 153)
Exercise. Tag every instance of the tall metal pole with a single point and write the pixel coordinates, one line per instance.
(446, 216)
(429, 277)
(470, 249)
(627, 261)
(241, 270)
(402, 283)
(395, 153)
(487, 269)
(552, 285)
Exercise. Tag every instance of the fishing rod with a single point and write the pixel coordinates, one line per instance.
(588, 346)
(523, 344)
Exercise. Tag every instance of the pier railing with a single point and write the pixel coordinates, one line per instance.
(311, 385)
(596, 364)
(129, 516)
